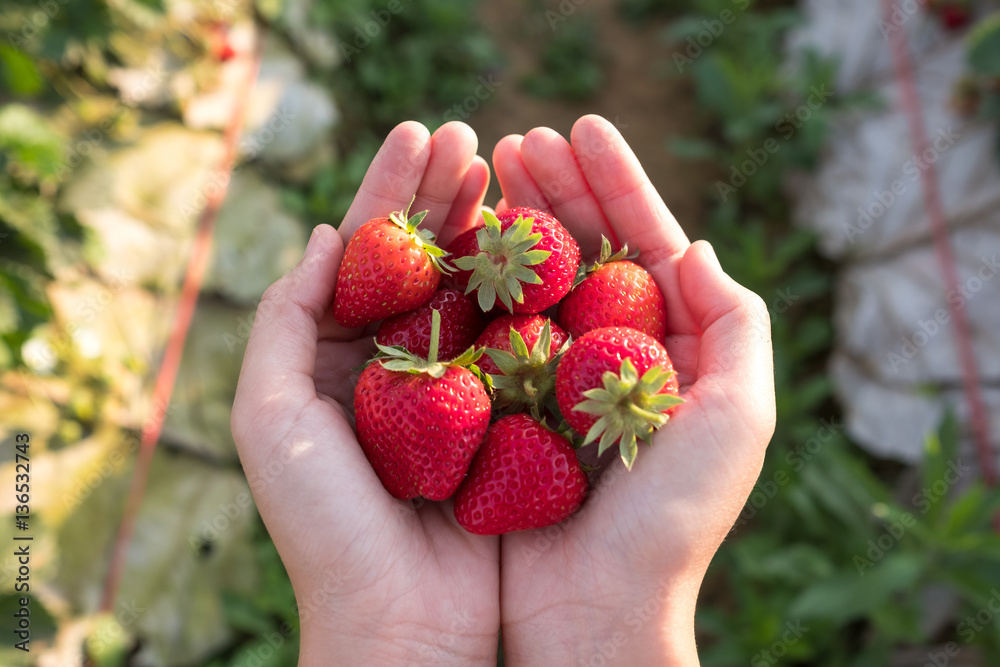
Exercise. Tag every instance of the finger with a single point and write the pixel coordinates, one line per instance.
(280, 357)
(633, 209)
(453, 147)
(549, 159)
(392, 178)
(735, 370)
(516, 183)
(630, 203)
(728, 412)
(501, 206)
(466, 211)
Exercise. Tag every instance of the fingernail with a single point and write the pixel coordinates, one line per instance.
(311, 245)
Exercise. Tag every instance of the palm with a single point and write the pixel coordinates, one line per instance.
(397, 557)
(358, 558)
(662, 521)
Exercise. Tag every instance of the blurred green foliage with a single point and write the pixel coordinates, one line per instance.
(819, 546)
(980, 91)
(831, 564)
(31, 151)
(569, 64)
(399, 61)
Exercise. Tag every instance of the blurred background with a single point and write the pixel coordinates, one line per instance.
(787, 133)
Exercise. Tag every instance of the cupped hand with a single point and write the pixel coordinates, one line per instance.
(619, 579)
(377, 580)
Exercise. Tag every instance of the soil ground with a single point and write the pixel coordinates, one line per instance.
(638, 95)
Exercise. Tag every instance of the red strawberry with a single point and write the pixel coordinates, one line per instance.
(615, 292)
(420, 422)
(524, 476)
(522, 354)
(523, 257)
(955, 16)
(496, 336)
(461, 322)
(616, 384)
(389, 267)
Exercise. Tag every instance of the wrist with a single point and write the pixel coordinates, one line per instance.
(652, 627)
(396, 646)
(337, 632)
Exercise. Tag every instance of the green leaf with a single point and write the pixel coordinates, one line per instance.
(19, 72)
(850, 595)
(505, 361)
(30, 141)
(243, 614)
(984, 46)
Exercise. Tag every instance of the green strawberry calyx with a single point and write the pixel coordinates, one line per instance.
(606, 256)
(628, 407)
(422, 238)
(501, 266)
(398, 358)
(528, 377)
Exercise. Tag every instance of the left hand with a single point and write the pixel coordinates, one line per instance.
(377, 581)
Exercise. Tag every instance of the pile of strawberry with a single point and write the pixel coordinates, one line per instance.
(495, 366)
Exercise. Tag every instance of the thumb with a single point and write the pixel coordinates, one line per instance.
(735, 367)
(281, 351)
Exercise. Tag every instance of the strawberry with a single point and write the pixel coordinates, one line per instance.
(389, 267)
(616, 384)
(955, 16)
(461, 322)
(523, 257)
(420, 421)
(521, 355)
(524, 476)
(496, 336)
(614, 292)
